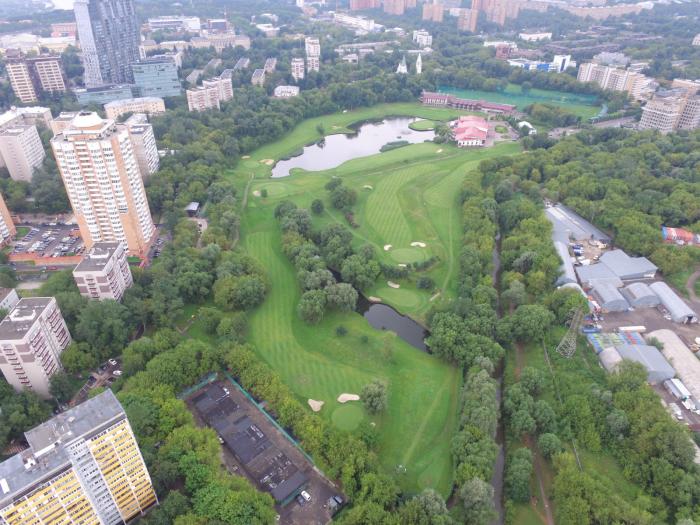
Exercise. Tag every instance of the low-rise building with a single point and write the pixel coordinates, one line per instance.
(535, 36)
(270, 65)
(470, 131)
(143, 142)
(268, 30)
(32, 337)
(286, 91)
(696, 40)
(191, 24)
(104, 94)
(223, 85)
(149, 105)
(241, 64)
(358, 23)
(422, 38)
(104, 272)
(21, 151)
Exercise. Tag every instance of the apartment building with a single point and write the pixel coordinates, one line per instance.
(298, 69)
(203, 98)
(286, 91)
(422, 38)
(638, 86)
(63, 29)
(394, 7)
(109, 40)
(104, 272)
(8, 298)
(258, 78)
(662, 112)
(143, 142)
(468, 19)
(82, 466)
(270, 65)
(21, 150)
(149, 105)
(21, 80)
(31, 76)
(312, 46)
(156, 77)
(7, 226)
(359, 5)
(313, 64)
(223, 86)
(433, 12)
(32, 337)
(102, 178)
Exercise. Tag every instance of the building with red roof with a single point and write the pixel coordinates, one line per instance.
(470, 131)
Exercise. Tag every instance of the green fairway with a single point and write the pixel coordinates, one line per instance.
(584, 106)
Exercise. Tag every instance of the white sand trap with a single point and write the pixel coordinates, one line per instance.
(392, 284)
(245, 157)
(373, 299)
(387, 247)
(368, 187)
(256, 193)
(316, 405)
(344, 398)
(418, 244)
(403, 265)
(435, 296)
(439, 151)
(269, 162)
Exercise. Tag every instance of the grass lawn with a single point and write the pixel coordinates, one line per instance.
(584, 106)
(422, 125)
(22, 232)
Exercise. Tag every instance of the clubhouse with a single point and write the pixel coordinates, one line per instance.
(450, 101)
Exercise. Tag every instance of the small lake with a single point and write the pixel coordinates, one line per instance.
(384, 317)
(339, 148)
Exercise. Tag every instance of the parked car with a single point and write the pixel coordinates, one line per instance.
(117, 373)
(305, 495)
(112, 362)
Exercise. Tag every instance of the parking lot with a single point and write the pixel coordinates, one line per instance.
(105, 375)
(50, 240)
(252, 446)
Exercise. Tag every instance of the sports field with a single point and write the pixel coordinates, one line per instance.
(405, 196)
(584, 106)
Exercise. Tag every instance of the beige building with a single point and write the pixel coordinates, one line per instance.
(48, 73)
(21, 80)
(104, 272)
(21, 150)
(223, 86)
(103, 181)
(258, 78)
(203, 98)
(31, 76)
(82, 466)
(7, 225)
(32, 337)
(298, 69)
(638, 86)
(671, 110)
(433, 12)
(149, 105)
(144, 144)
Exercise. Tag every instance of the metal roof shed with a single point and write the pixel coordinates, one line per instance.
(679, 311)
(610, 358)
(628, 268)
(681, 358)
(658, 369)
(567, 268)
(590, 275)
(640, 295)
(610, 298)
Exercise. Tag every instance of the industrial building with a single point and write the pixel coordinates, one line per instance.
(568, 225)
(639, 295)
(628, 268)
(82, 466)
(681, 358)
(597, 273)
(679, 311)
(568, 275)
(609, 297)
(657, 367)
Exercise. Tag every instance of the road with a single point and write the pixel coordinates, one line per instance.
(557, 133)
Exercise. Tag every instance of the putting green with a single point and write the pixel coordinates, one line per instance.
(274, 189)
(399, 297)
(422, 125)
(347, 417)
(409, 255)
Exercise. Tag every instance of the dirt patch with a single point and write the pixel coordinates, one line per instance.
(268, 162)
(316, 406)
(345, 397)
(368, 187)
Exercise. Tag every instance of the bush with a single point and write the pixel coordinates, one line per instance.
(425, 283)
(374, 396)
(518, 472)
(341, 331)
(549, 445)
(263, 193)
(317, 207)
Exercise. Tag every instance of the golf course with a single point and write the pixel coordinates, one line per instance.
(408, 199)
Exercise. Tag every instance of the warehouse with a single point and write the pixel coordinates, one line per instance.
(658, 369)
(678, 310)
(597, 273)
(566, 270)
(609, 297)
(567, 225)
(640, 295)
(610, 358)
(681, 358)
(628, 268)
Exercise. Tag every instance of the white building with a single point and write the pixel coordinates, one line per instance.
(419, 64)
(298, 69)
(535, 37)
(143, 142)
(104, 272)
(32, 338)
(149, 105)
(7, 225)
(696, 40)
(359, 23)
(8, 299)
(21, 150)
(223, 86)
(638, 86)
(312, 47)
(203, 98)
(402, 68)
(102, 178)
(422, 38)
(313, 64)
(286, 91)
(191, 24)
(258, 78)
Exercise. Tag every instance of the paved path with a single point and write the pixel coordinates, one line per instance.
(690, 286)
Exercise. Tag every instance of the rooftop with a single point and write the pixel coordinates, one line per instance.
(127, 101)
(568, 224)
(18, 322)
(98, 257)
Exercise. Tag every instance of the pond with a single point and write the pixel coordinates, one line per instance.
(384, 317)
(339, 148)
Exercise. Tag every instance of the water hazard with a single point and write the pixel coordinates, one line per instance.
(367, 140)
(384, 317)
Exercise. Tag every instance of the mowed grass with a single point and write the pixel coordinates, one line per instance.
(422, 125)
(318, 364)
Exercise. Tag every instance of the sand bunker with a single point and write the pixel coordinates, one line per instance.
(316, 405)
(403, 265)
(368, 187)
(387, 247)
(393, 284)
(439, 151)
(269, 162)
(256, 193)
(344, 398)
(418, 244)
(373, 299)
(245, 157)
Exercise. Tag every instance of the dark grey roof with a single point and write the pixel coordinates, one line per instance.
(610, 297)
(639, 294)
(658, 369)
(591, 274)
(567, 268)
(678, 309)
(18, 322)
(626, 267)
(289, 486)
(98, 257)
(568, 224)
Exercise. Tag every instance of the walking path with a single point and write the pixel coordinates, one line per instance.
(690, 286)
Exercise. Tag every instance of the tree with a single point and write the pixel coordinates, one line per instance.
(342, 198)
(530, 322)
(341, 296)
(317, 207)
(234, 327)
(374, 396)
(312, 306)
(549, 445)
(210, 318)
(532, 379)
(104, 325)
(477, 499)
(360, 272)
(78, 357)
(61, 387)
(239, 293)
(517, 477)
(426, 508)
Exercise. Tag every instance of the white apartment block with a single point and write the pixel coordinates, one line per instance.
(102, 178)
(143, 142)
(48, 74)
(203, 98)
(313, 64)
(258, 78)
(423, 38)
(28, 115)
(312, 47)
(354, 22)
(223, 86)
(21, 150)
(8, 299)
(175, 23)
(32, 338)
(149, 105)
(7, 225)
(104, 272)
(286, 91)
(661, 113)
(298, 68)
(535, 37)
(696, 40)
(21, 81)
(637, 85)
(270, 65)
